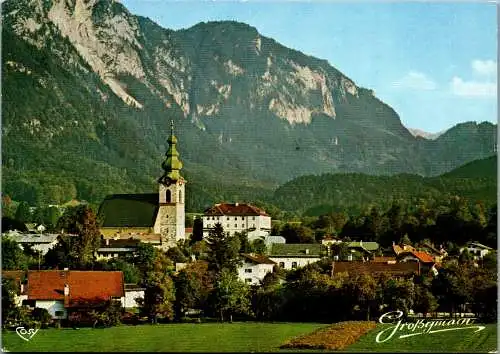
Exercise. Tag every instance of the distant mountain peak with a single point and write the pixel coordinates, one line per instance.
(424, 134)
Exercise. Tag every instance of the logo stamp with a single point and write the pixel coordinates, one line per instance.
(420, 326)
(26, 334)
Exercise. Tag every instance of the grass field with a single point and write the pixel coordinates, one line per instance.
(461, 341)
(182, 337)
(235, 337)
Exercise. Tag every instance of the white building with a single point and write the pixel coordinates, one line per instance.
(254, 268)
(40, 242)
(133, 292)
(237, 217)
(291, 255)
(477, 249)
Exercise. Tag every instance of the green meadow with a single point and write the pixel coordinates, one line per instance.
(458, 341)
(235, 337)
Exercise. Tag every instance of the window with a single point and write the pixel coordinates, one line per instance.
(349, 257)
(168, 196)
(253, 217)
(242, 226)
(248, 270)
(227, 226)
(242, 218)
(235, 218)
(248, 280)
(294, 265)
(235, 226)
(282, 264)
(180, 196)
(59, 313)
(227, 218)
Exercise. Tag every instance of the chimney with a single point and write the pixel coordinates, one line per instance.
(236, 204)
(66, 290)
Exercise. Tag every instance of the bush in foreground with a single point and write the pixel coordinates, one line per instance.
(335, 337)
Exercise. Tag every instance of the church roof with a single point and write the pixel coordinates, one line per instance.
(129, 210)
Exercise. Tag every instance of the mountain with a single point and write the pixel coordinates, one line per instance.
(424, 134)
(89, 91)
(484, 168)
(316, 195)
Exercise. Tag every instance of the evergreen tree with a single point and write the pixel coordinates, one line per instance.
(223, 250)
(23, 213)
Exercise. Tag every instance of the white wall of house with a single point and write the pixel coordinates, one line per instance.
(253, 273)
(478, 253)
(232, 224)
(129, 300)
(53, 306)
(293, 262)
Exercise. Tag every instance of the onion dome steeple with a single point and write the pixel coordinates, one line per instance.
(171, 165)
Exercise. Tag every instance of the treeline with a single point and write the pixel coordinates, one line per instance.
(316, 195)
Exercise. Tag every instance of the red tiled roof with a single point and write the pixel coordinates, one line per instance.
(375, 268)
(239, 209)
(85, 287)
(258, 258)
(423, 257)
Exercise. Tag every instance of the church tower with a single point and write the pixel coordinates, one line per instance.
(170, 221)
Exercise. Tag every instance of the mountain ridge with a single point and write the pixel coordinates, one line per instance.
(248, 111)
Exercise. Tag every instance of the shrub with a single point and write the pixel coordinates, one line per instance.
(43, 316)
(335, 337)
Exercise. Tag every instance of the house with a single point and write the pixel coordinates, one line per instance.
(377, 269)
(161, 213)
(425, 260)
(254, 268)
(330, 240)
(133, 292)
(476, 249)
(111, 248)
(365, 249)
(296, 255)
(62, 292)
(271, 240)
(397, 249)
(38, 241)
(438, 254)
(237, 217)
(384, 259)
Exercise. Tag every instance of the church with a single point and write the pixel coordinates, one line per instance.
(157, 218)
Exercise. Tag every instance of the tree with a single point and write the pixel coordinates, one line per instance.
(131, 274)
(193, 285)
(51, 216)
(13, 257)
(424, 301)
(399, 295)
(11, 313)
(159, 294)
(23, 213)
(107, 316)
(82, 221)
(144, 257)
(362, 290)
(258, 246)
(231, 296)
(297, 234)
(223, 250)
(8, 208)
(197, 230)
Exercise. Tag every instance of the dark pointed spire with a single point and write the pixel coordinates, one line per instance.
(172, 164)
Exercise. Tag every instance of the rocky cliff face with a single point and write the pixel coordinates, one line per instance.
(99, 85)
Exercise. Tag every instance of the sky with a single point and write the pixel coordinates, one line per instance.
(435, 63)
